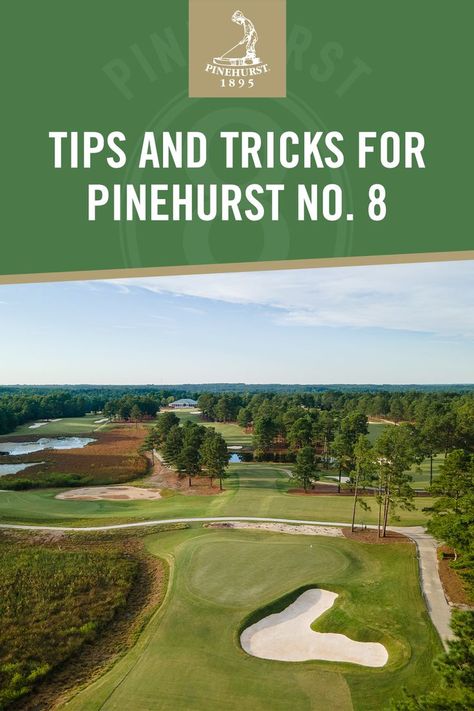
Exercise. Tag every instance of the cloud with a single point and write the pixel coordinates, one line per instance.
(436, 298)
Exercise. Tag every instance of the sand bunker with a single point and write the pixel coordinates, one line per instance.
(303, 530)
(110, 493)
(287, 636)
(344, 479)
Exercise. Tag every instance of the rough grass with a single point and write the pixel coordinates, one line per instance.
(112, 459)
(52, 602)
(189, 656)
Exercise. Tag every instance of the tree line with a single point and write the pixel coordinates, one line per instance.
(452, 521)
(236, 403)
(19, 408)
(191, 449)
(409, 405)
(323, 439)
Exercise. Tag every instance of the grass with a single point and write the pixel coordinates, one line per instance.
(375, 430)
(112, 458)
(252, 490)
(233, 434)
(65, 427)
(236, 435)
(52, 602)
(189, 656)
(421, 473)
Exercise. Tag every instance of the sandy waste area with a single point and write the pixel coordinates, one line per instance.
(287, 636)
(302, 530)
(110, 493)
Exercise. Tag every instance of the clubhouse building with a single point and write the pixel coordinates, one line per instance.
(184, 402)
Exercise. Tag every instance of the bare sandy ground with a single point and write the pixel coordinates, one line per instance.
(110, 493)
(303, 530)
(287, 636)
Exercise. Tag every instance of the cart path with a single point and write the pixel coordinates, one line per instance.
(438, 607)
(432, 589)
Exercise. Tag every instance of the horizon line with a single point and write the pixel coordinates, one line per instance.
(237, 383)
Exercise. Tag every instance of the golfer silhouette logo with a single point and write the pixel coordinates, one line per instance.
(249, 39)
(239, 67)
(253, 43)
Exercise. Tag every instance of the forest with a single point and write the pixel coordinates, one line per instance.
(236, 403)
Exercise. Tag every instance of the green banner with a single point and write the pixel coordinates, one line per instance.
(157, 136)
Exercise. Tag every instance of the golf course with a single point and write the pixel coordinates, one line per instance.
(250, 490)
(189, 655)
(278, 560)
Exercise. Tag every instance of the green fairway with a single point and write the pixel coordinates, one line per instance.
(376, 429)
(233, 434)
(187, 415)
(252, 490)
(66, 426)
(189, 656)
(421, 472)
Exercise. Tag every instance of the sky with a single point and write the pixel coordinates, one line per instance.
(376, 324)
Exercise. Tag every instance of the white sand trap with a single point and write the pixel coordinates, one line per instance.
(110, 493)
(303, 530)
(99, 422)
(344, 479)
(36, 425)
(287, 636)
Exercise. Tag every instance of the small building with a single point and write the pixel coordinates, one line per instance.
(184, 402)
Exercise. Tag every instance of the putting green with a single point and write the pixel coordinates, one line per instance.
(189, 658)
(252, 490)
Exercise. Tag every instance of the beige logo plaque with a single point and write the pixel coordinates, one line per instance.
(237, 49)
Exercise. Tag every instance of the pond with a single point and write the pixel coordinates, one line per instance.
(6, 469)
(19, 448)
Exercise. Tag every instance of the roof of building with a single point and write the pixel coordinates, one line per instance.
(185, 401)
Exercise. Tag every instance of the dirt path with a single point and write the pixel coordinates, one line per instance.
(432, 589)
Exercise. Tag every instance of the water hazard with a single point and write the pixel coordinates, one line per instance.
(17, 449)
(6, 469)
